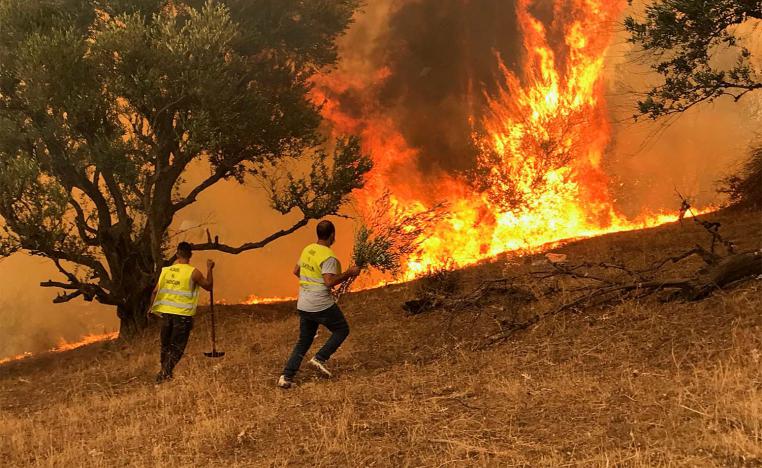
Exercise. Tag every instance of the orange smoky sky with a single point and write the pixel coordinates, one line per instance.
(691, 152)
(29, 322)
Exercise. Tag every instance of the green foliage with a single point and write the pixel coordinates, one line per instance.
(104, 105)
(41, 205)
(375, 251)
(388, 235)
(685, 37)
(325, 189)
(38, 202)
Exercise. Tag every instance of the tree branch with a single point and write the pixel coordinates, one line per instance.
(62, 298)
(70, 177)
(679, 107)
(69, 275)
(84, 260)
(216, 246)
(81, 222)
(166, 108)
(88, 290)
(189, 199)
(117, 196)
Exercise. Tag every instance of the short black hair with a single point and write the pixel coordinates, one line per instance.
(325, 229)
(184, 250)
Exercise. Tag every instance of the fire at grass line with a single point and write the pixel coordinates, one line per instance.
(599, 284)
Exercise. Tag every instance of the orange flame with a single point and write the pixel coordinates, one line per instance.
(542, 142)
(254, 299)
(64, 345)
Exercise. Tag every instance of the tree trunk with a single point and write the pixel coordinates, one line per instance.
(731, 269)
(133, 317)
(134, 277)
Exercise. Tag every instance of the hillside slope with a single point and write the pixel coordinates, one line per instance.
(643, 383)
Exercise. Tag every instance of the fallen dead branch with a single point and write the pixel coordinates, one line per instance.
(606, 284)
(719, 271)
(729, 271)
(504, 287)
(601, 284)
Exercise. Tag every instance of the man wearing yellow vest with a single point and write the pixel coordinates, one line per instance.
(318, 271)
(175, 299)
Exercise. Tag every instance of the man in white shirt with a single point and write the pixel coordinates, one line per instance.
(319, 271)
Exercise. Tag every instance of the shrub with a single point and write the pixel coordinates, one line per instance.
(745, 189)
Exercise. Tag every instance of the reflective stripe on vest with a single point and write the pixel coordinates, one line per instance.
(177, 294)
(174, 304)
(310, 266)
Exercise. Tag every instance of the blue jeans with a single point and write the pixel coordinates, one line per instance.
(333, 320)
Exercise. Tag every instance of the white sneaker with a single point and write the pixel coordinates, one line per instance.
(285, 383)
(320, 366)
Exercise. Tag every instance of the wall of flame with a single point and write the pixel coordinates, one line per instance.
(541, 138)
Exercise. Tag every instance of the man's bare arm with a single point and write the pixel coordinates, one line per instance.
(332, 280)
(208, 281)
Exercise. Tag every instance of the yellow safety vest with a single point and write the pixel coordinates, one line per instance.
(310, 271)
(177, 294)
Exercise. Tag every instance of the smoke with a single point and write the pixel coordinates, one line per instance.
(691, 152)
(29, 322)
(427, 65)
(441, 55)
(437, 59)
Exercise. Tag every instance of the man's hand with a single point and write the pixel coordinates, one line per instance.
(206, 282)
(335, 280)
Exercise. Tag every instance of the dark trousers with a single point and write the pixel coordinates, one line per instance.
(333, 320)
(175, 330)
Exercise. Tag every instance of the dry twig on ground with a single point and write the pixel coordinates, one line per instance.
(604, 284)
(434, 289)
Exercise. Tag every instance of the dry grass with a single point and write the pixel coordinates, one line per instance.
(640, 384)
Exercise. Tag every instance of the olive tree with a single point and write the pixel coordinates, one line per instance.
(105, 104)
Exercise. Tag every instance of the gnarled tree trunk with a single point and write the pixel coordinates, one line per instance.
(133, 314)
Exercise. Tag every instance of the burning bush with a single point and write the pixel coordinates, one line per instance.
(388, 236)
(745, 189)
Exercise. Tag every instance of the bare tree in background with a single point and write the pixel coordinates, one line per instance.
(104, 106)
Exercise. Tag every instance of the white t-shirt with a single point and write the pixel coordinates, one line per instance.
(318, 299)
